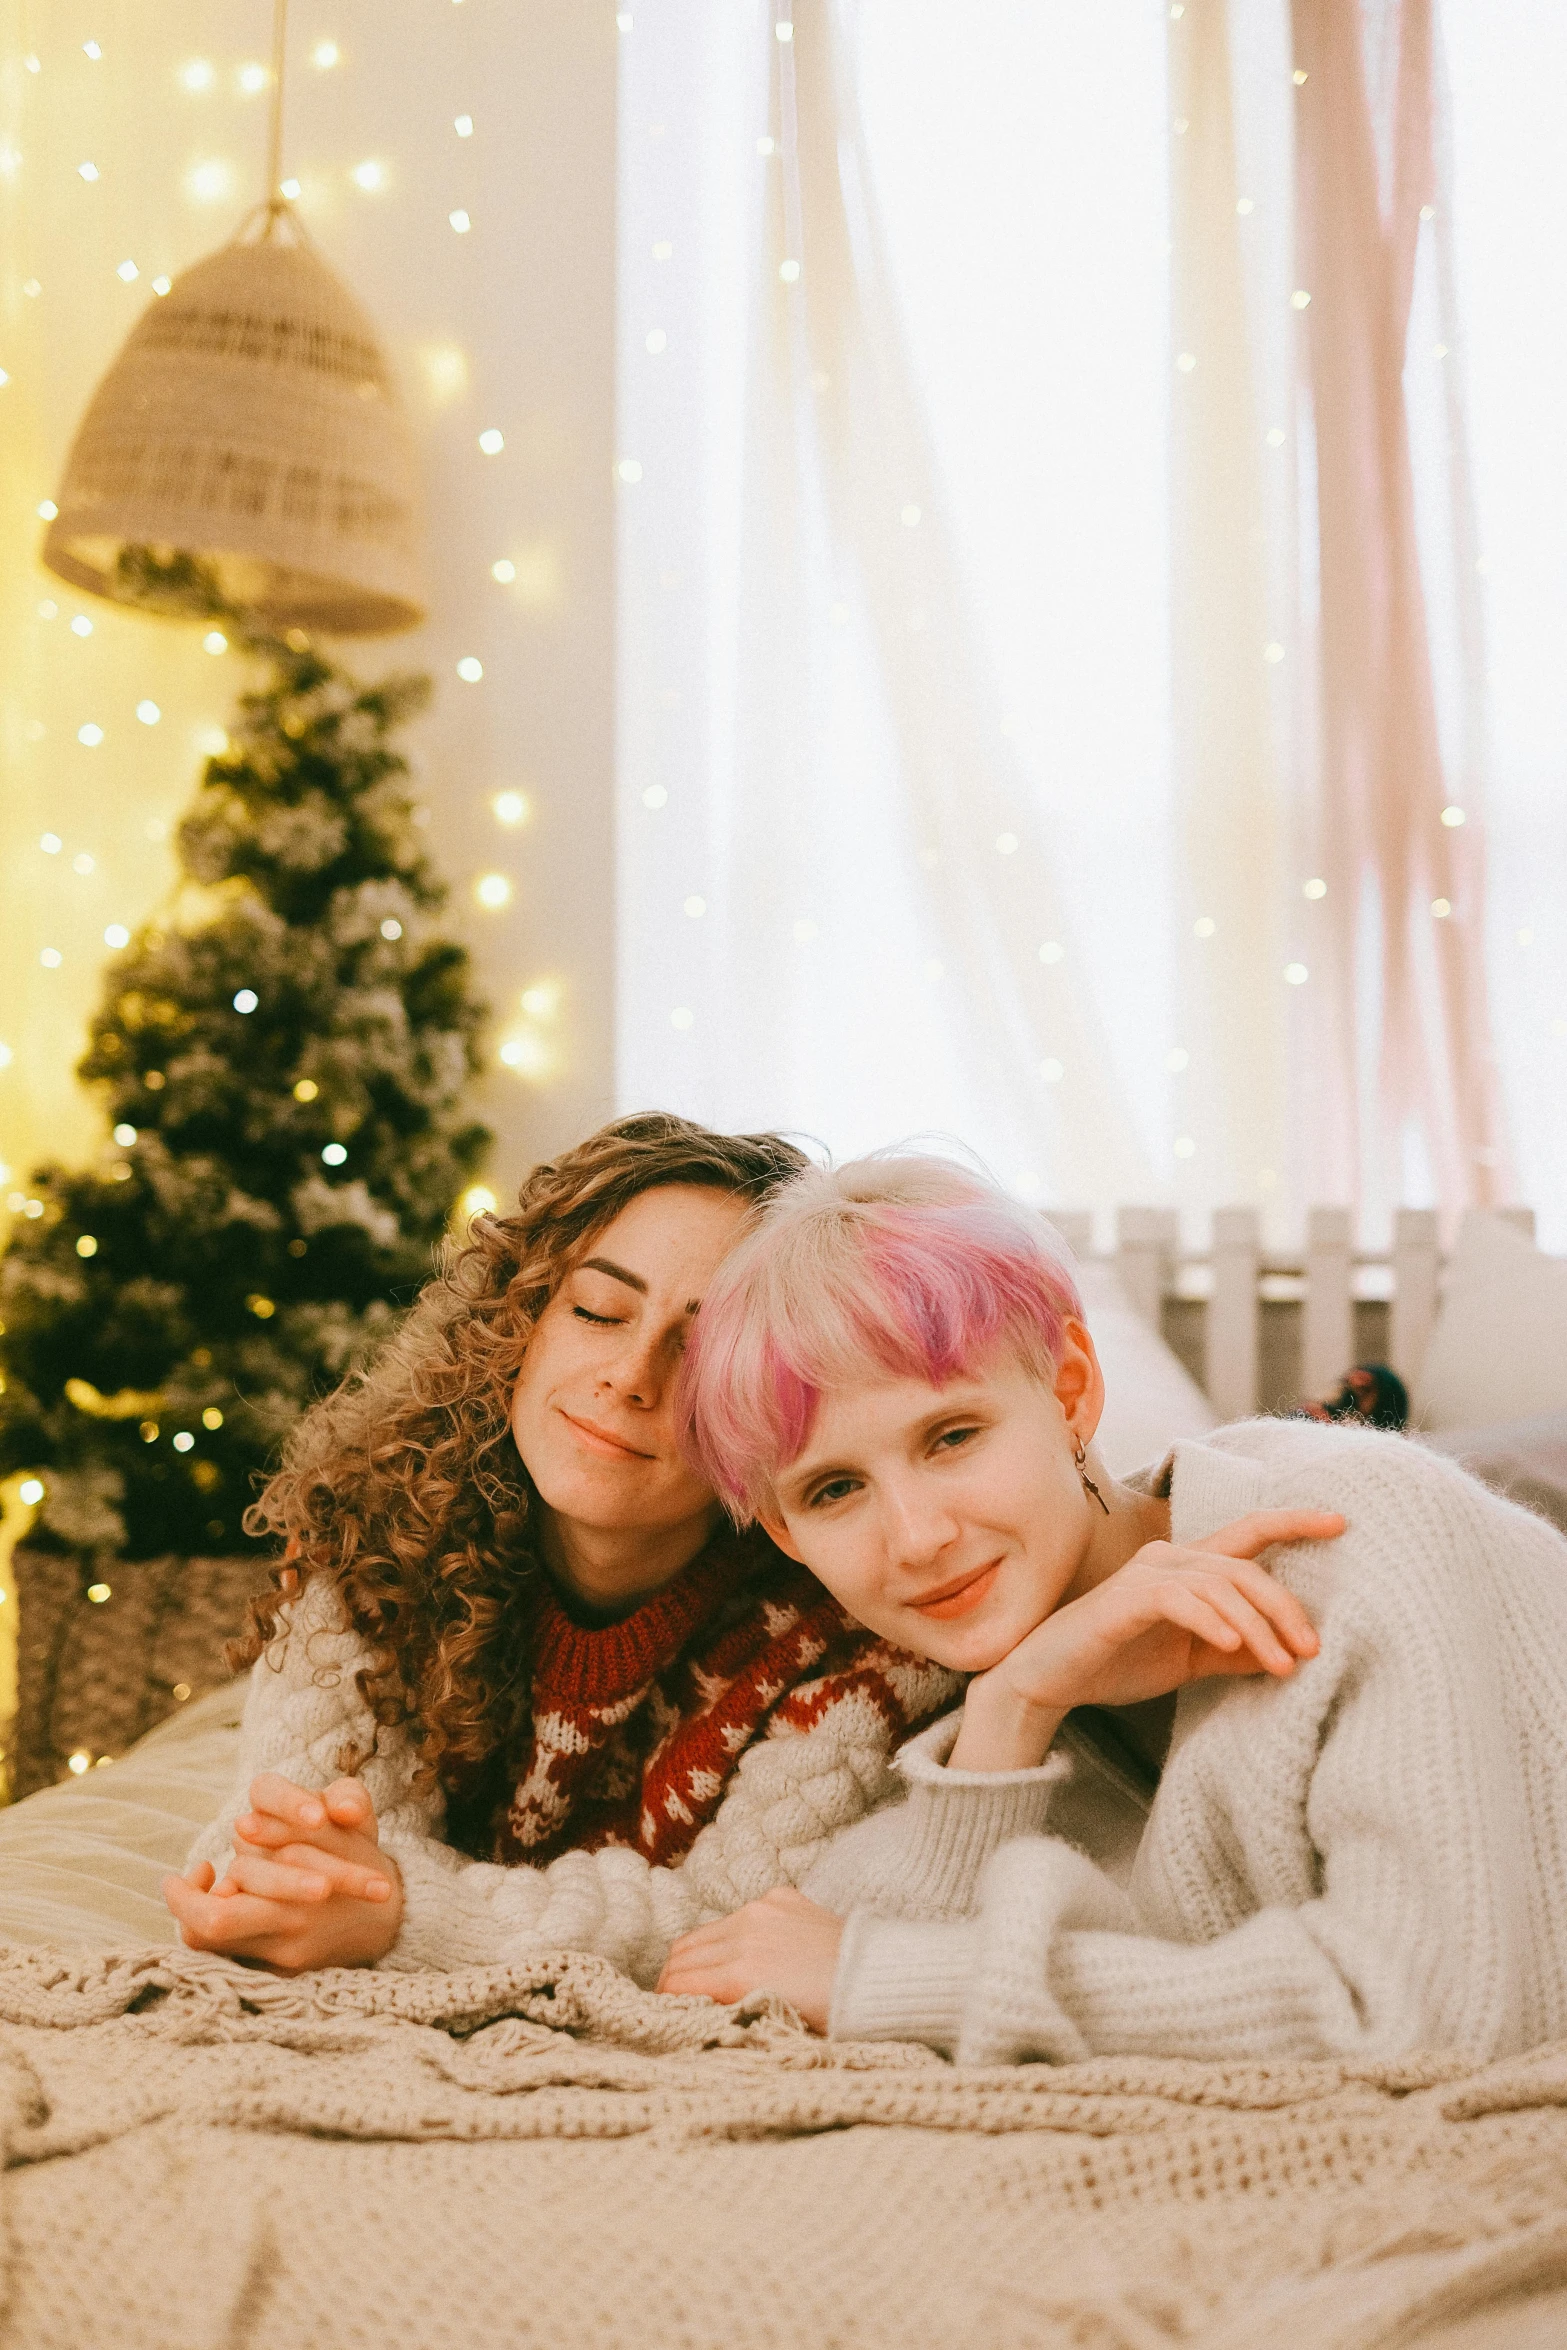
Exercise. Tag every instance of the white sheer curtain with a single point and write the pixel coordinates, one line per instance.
(971, 763)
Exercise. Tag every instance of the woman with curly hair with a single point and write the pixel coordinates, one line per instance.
(518, 1683)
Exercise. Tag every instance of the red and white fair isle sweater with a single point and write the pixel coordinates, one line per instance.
(682, 1761)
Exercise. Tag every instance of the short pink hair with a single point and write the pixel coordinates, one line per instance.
(899, 1266)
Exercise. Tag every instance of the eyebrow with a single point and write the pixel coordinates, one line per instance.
(615, 1272)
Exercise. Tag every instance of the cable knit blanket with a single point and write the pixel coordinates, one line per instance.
(200, 2157)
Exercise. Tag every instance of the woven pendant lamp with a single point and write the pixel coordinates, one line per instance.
(252, 421)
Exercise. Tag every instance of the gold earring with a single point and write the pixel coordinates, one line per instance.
(1079, 1459)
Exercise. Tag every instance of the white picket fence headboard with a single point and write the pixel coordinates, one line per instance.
(1258, 1330)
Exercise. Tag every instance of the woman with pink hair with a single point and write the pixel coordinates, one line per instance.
(1264, 1753)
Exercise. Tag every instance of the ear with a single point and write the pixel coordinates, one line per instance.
(778, 1533)
(1079, 1384)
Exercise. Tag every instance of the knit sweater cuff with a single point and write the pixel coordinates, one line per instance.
(955, 1820)
(903, 1979)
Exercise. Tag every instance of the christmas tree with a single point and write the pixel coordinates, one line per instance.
(281, 1060)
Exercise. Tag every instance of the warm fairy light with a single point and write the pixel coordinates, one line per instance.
(663, 250)
(511, 807)
(470, 670)
(184, 1441)
(369, 175)
(82, 863)
(51, 844)
(628, 469)
(911, 517)
(655, 796)
(47, 509)
(491, 441)
(1300, 76)
(91, 735)
(1006, 844)
(210, 182)
(783, 30)
(50, 958)
(463, 126)
(1300, 299)
(79, 1763)
(288, 188)
(333, 1154)
(1453, 818)
(1315, 888)
(1051, 951)
(1297, 974)
(125, 1136)
(1051, 1071)
(252, 78)
(31, 1491)
(1204, 926)
(81, 625)
(325, 55)
(98, 1593)
(445, 368)
(1275, 437)
(493, 890)
(391, 928)
(681, 1017)
(116, 936)
(1244, 206)
(128, 272)
(161, 285)
(1185, 1148)
(306, 1090)
(505, 571)
(789, 271)
(541, 1001)
(528, 1055)
(212, 1417)
(478, 1200)
(460, 222)
(198, 74)
(87, 1246)
(246, 1000)
(91, 49)
(657, 341)
(214, 641)
(149, 713)
(1441, 908)
(696, 908)
(1186, 361)
(89, 171)
(1177, 1059)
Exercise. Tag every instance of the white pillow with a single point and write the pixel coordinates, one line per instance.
(1150, 1397)
(1499, 1349)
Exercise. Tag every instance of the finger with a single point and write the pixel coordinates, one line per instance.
(200, 1875)
(1186, 1608)
(1270, 1597)
(1263, 1528)
(209, 1924)
(790, 1898)
(702, 1982)
(350, 1877)
(349, 1806)
(704, 1944)
(1249, 1624)
(284, 1801)
(272, 1880)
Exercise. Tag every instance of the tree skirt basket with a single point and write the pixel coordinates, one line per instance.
(94, 1673)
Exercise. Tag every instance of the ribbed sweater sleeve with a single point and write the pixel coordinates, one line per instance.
(789, 1797)
(1352, 1863)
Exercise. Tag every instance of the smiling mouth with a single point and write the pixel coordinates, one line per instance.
(600, 1441)
(959, 1598)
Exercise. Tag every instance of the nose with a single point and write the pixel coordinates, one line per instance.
(917, 1524)
(635, 1372)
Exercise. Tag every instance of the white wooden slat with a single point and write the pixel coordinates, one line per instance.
(1417, 1256)
(1328, 1322)
(1231, 1321)
(1145, 1257)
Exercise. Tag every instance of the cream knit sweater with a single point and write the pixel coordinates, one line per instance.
(791, 1797)
(1366, 1859)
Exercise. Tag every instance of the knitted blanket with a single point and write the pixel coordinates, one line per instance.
(199, 2157)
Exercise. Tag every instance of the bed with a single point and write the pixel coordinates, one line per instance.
(199, 2154)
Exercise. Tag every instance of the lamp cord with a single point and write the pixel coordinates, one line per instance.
(275, 133)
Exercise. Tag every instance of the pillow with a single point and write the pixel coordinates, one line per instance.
(81, 1864)
(1499, 1349)
(1150, 1397)
(1524, 1459)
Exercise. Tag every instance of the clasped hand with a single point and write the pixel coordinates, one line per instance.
(308, 1885)
(1174, 1613)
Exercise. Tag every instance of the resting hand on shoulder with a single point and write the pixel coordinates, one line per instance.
(1175, 1612)
(782, 1943)
(308, 1885)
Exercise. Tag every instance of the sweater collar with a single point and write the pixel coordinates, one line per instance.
(604, 1664)
(1207, 1488)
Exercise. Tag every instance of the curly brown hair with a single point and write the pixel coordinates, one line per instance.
(405, 1487)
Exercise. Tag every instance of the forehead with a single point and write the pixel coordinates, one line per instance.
(668, 1235)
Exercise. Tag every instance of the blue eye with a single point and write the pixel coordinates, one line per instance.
(834, 1491)
(951, 1438)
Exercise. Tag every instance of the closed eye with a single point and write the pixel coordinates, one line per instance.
(600, 1321)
